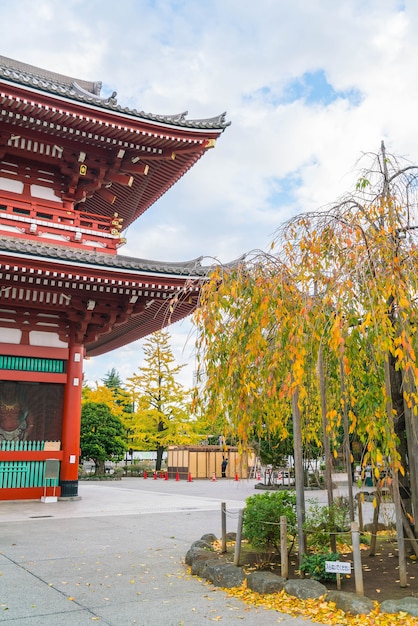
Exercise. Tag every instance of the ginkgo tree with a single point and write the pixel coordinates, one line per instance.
(162, 414)
(322, 330)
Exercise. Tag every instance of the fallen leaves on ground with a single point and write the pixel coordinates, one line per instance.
(318, 610)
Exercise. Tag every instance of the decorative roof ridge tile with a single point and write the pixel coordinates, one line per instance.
(90, 93)
(26, 72)
(109, 261)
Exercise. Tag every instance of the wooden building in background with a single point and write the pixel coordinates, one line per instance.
(206, 462)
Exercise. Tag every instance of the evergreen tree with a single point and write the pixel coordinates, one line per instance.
(112, 379)
(162, 415)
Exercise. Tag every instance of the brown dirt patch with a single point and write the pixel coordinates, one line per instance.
(380, 572)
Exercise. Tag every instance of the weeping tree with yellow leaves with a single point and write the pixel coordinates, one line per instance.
(322, 330)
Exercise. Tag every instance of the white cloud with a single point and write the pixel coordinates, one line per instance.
(281, 155)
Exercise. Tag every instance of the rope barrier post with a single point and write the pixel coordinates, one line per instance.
(237, 554)
(284, 557)
(358, 572)
(223, 526)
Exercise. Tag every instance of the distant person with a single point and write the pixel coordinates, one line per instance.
(224, 466)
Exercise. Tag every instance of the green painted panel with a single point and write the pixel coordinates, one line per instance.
(30, 364)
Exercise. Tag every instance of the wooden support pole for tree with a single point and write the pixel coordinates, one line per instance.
(358, 572)
(223, 526)
(284, 556)
(237, 554)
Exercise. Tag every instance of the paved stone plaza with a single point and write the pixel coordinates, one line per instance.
(116, 556)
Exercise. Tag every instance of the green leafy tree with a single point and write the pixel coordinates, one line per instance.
(102, 435)
(162, 405)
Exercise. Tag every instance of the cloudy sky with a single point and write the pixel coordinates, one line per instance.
(308, 85)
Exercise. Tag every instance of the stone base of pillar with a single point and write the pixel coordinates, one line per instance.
(69, 488)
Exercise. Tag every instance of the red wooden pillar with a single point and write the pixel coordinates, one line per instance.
(71, 420)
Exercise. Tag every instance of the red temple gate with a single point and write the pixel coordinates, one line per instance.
(75, 170)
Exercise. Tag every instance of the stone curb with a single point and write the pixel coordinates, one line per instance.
(206, 563)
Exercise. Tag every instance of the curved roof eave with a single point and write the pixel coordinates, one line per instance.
(88, 93)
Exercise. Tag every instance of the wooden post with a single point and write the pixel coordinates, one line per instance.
(358, 572)
(237, 554)
(284, 557)
(223, 526)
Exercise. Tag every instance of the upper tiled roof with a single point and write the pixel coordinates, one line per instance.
(89, 93)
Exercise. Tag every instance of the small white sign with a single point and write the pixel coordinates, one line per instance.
(337, 567)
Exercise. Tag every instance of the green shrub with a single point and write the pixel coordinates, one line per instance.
(314, 565)
(322, 521)
(261, 518)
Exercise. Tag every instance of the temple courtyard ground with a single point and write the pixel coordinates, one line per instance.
(116, 556)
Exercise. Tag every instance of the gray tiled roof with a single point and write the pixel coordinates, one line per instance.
(89, 93)
(34, 249)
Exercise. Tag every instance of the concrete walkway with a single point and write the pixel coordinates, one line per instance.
(116, 556)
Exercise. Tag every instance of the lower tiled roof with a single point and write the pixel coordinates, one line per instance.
(33, 249)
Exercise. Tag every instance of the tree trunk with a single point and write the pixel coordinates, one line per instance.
(347, 449)
(298, 459)
(100, 468)
(395, 487)
(158, 463)
(327, 447)
(375, 523)
(412, 447)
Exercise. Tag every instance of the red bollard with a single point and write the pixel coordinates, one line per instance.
(155, 476)
(177, 476)
(166, 476)
(236, 477)
(145, 474)
(189, 478)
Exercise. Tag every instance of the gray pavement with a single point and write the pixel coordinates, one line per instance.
(116, 556)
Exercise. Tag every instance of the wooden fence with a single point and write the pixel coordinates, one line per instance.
(22, 466)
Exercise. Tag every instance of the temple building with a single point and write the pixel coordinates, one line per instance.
(76, 169)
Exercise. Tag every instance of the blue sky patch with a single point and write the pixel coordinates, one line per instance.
(283, 189)
(314, 88)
